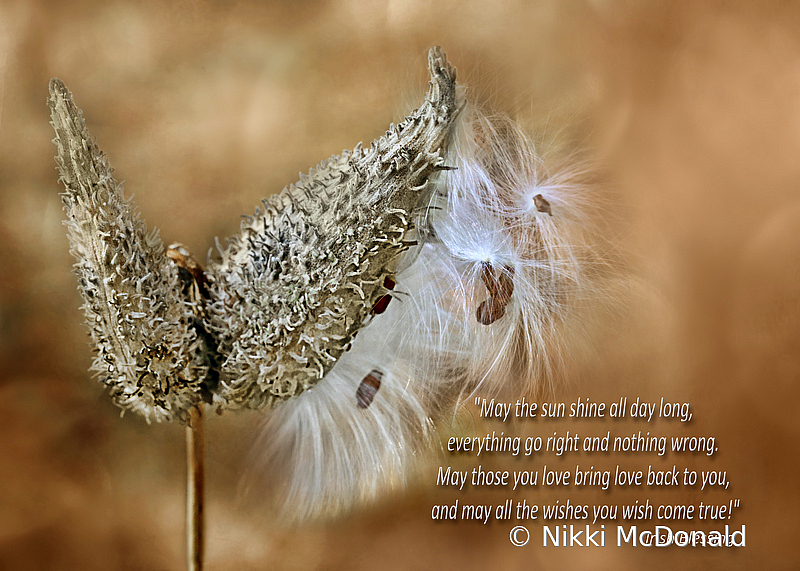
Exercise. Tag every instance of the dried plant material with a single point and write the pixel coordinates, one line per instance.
(148, 352)
(498, 281)
(181, 257)
(547, 276)
(291, 291)
(295, 286)
(479, 233)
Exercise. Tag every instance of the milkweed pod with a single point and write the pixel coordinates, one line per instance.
(297, 283)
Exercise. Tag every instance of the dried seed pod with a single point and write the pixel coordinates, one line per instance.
(368, 388)
(430, 349)
(133, 295)
(195, 291)
(297, 283)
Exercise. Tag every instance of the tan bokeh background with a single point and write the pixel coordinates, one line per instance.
(205, 107)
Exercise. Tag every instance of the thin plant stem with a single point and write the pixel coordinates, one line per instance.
(195, 488)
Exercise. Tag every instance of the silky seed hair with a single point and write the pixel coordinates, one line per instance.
(509, 215)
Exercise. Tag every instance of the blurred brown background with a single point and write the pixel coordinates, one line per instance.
(204, 107)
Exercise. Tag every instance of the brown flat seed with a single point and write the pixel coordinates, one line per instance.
(541, 204)
(368, 388)
(490, 311)
(499, 282)
(383, 301)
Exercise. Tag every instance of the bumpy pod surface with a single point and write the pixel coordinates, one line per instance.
(142, 323)
(297, 283)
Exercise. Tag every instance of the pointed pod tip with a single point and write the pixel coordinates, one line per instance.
(438, 64)
(60, 100)
(58, 89)
(443, 77)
